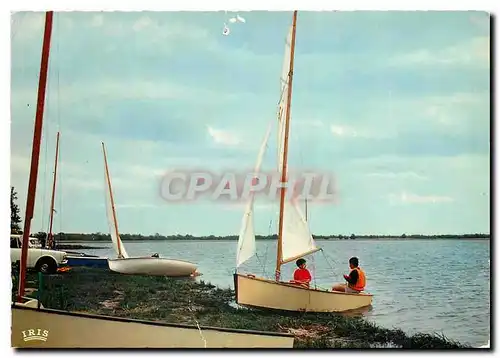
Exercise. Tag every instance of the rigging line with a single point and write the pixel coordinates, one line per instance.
(313, 269)
(44, 138)
(267, 249)
(58, 75)
(331, 267)
(262, 264)
(258, 258)
(59, 197)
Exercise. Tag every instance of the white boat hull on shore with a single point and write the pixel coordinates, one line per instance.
(257, 292)
(48, 328)
(152, 266)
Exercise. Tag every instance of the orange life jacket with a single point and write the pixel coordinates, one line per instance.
(361, 282)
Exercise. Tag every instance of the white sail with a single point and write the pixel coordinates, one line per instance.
(246, 240)
(297, 239)
(117, 242)
(283, 104)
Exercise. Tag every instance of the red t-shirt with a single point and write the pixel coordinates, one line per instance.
(302, 275)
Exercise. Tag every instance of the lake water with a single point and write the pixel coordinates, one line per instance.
(418, 285)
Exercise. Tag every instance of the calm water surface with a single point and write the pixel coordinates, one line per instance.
(419, 285)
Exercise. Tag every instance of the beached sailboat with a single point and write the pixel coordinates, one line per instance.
(294, 237)
(149, 265)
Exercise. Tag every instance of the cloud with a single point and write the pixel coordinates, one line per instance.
(473, 52)
(137, 206)
(482, 21)
(396, 175)
(27, 25)
(410, 198)
(315, 123)
(124, 89)
(223, 137)
(97, 20)
(142, 23)
(456, 110)
(86, 184)
(345, 131)
(241, 206)
(19, 164)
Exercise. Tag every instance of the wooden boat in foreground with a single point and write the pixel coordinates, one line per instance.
(256, 292)
(149, 265)
(48, 328)
(294, 237)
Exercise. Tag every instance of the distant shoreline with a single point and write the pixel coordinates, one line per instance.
(101, 237)
(233, 240)
(226, 240)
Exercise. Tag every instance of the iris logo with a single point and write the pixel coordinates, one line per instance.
(35, 335)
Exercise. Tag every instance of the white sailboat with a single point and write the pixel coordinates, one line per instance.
(149, 265)
(294, 237)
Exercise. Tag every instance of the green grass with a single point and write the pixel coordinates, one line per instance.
(190, 302)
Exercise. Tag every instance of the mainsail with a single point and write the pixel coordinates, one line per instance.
(246, 241)
(283, 103)
(113, 230)
(297, 240)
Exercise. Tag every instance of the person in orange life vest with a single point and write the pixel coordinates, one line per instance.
(356, 280)
(301, 276)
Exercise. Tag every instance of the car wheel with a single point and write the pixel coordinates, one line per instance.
(46, 265)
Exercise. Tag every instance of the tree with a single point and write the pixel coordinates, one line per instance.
(15, 219)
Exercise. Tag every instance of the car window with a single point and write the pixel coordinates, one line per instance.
(14, 243)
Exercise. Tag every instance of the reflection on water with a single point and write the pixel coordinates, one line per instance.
(440, 286)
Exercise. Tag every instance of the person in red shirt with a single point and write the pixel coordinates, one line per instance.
(301, 276)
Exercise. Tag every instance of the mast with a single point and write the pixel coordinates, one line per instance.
(112, 203)
(285, 149)
(35, 153)
(50, 237)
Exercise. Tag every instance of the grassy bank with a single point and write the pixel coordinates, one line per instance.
(197, 302)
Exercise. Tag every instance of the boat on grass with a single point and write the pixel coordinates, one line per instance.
(148, 265)
(81, 259)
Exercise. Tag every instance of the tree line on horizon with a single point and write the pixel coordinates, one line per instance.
(15, 228)
(157, 237)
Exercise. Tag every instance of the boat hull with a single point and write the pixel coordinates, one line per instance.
(258, 292)
(99, 262)
(60, 329)
(152, 266)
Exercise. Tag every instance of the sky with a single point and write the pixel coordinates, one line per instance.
(395, 104)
